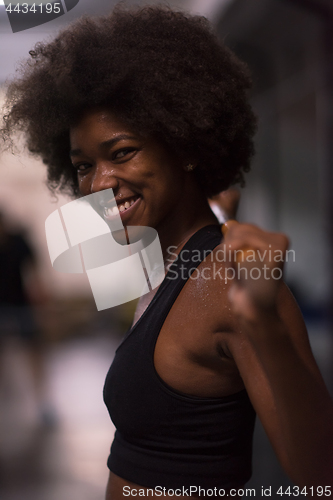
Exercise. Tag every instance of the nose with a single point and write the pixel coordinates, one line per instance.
(104, 177)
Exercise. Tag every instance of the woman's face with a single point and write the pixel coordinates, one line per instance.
(147, 180)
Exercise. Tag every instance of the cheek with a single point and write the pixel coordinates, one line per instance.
(162, 184)
(84, 185)
(81, 182)
(172, 181)
(167, 191)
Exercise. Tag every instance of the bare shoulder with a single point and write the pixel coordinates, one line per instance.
(205, 293)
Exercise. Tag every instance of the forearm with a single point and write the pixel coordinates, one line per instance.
(275, 360)
(303, 406)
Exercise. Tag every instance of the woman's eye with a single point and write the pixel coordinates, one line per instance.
(119, 155)
(81, 167)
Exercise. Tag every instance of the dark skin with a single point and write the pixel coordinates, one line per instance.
(220, 335)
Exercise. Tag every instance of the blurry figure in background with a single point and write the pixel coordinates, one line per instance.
(225, 204)
(20, 291)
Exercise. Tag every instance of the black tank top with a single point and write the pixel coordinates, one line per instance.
(164, 437)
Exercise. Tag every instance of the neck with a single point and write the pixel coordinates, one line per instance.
(192, 216)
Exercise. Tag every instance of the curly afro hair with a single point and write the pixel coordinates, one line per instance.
(164, 72)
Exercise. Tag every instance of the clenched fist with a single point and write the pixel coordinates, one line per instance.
(257, 258)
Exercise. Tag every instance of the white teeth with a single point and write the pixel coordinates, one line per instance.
(111, 212)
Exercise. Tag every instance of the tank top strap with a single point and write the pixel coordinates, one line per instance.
(189, 258)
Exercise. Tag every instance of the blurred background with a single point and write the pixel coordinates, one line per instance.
(55, 432)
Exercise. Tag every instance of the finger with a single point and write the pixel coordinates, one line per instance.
(252, 235)
(240, 257)
(227, 225)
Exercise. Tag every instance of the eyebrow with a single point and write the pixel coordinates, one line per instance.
(105, 144)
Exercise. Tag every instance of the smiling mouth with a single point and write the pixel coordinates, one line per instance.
(121, 208)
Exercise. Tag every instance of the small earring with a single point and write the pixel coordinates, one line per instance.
(189, 167)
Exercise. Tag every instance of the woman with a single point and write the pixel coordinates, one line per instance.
(147, 102)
